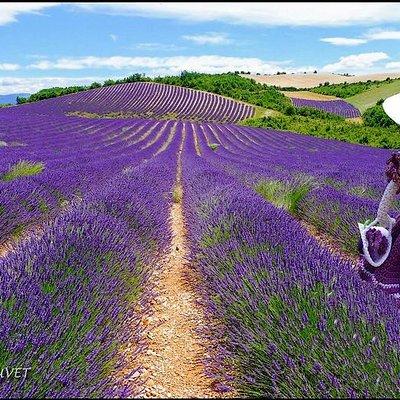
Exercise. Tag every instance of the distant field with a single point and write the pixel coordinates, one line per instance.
(308, 95)
(369, 98)
(311, 80)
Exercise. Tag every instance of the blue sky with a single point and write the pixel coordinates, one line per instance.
(48, 44)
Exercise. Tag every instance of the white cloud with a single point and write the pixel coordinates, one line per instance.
(341, 41)
(383, 35)
(393, 65)
(9, 67)
(375, 34)
(208, 38)
(10, 11)
(270, 14)
(113, 37)
(356, 62)
(31, 85)
(170, 65)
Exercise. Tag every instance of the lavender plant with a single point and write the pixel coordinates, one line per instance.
(298, 322)
(338, 107)
(145, 100)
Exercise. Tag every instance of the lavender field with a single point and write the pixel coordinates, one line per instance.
(96, 210)
(148, 100)
(338, 107)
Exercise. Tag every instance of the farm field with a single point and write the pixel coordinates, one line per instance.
(337, 107)
(304, 94)
(310, 80)
(330, 104)
(151, 246)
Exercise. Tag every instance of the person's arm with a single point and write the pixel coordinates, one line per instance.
(383, 218)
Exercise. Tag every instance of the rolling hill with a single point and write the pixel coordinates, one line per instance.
(147, 100)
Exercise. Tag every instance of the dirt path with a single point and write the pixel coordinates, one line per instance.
(173, 362)
(11, 244)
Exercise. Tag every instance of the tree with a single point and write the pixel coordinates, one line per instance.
(109, 82)
(21, 100)
(95, 85)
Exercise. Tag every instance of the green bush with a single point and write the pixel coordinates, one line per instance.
(345, 89)
(213, 146)
(282, 195)
(376, 117)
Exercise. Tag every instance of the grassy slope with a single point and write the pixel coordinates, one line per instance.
(369, 98)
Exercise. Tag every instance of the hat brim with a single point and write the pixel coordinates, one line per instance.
(392, 107)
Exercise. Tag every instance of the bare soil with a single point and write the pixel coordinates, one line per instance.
(172, 366)
(196, 144)
(172, 363)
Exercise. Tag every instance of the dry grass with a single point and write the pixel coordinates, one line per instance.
(23, 168)
(304, 94)
(357, 120)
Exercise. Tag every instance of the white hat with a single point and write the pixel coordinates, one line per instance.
(392, 107)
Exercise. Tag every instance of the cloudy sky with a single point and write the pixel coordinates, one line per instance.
(50, 44)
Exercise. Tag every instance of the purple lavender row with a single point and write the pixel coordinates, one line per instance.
(331, 210)
(346, 166)
(146, 100)
(349, 168)
(282, 298)
(338, 107)
(68, 319)
(79, 161)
